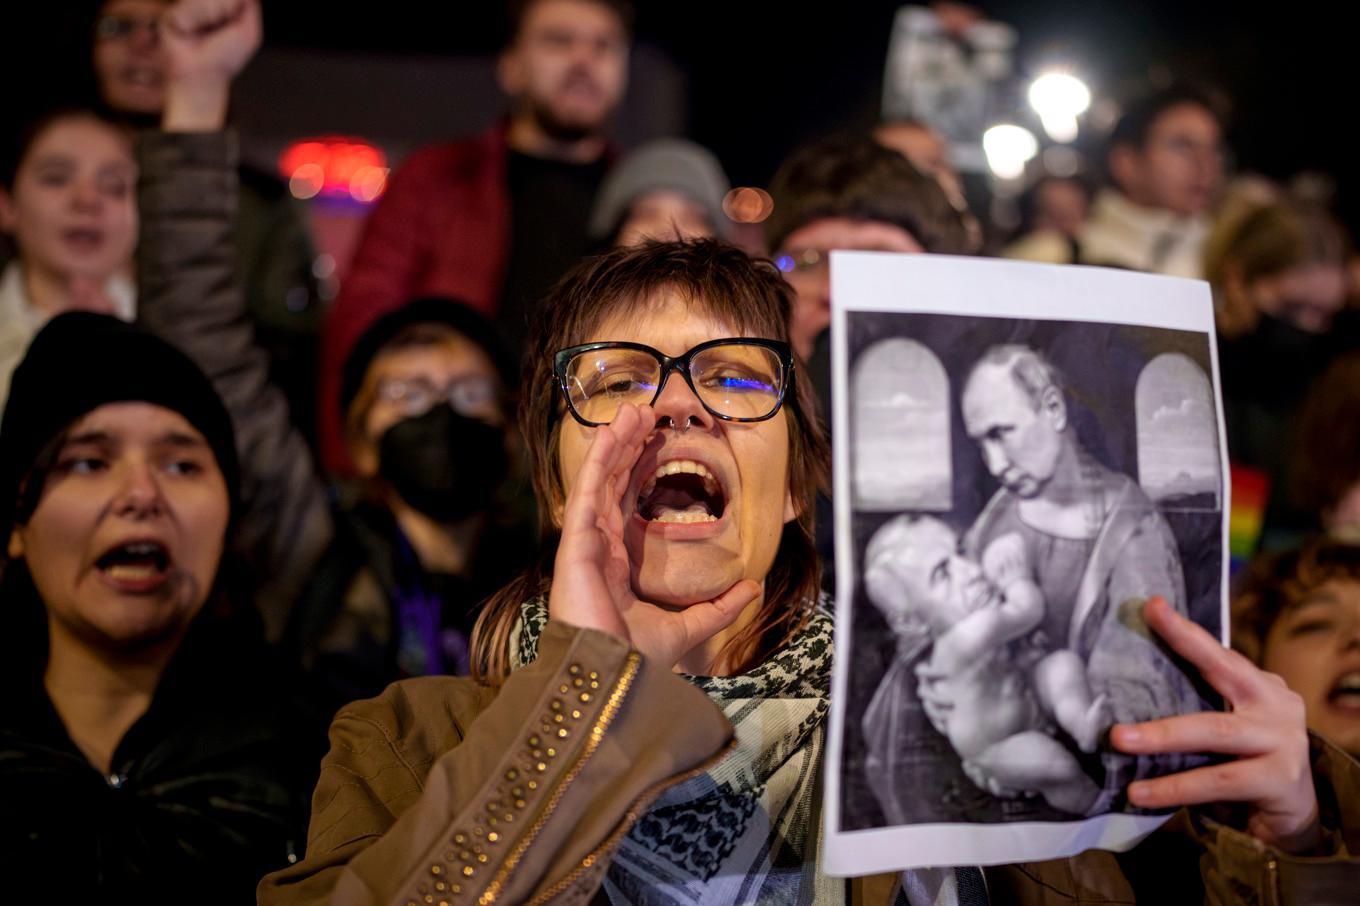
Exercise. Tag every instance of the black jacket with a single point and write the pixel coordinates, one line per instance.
(346, 628)
(208, 792)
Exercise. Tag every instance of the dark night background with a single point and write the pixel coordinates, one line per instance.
(764, 76)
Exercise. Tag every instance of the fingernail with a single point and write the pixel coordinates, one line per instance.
(1128, 734)
(1137, 791)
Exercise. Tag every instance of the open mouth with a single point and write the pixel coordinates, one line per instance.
(1346, 692)
(142, 77)
(580, 87)
(84, 239)
(135, 564)
(681, 491)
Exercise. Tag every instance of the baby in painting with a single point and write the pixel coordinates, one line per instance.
(1009, 695)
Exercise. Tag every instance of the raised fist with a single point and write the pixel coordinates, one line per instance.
(210, 39)
(206, 42)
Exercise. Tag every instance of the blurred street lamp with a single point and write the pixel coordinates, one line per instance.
(1059, 98)
(1008, 149)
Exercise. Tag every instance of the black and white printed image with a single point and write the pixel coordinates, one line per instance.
(1018, 489)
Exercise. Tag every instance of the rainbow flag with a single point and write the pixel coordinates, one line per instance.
(1250, 492)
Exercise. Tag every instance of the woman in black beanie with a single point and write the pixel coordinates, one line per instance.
(144, 745)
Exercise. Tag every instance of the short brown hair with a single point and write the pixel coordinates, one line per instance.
(717, 280)
(855, 177)
(17, 145)
(1142, 112)
(517, 10)
(1278, 582)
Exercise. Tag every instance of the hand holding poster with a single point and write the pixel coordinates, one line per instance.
(1026, 455)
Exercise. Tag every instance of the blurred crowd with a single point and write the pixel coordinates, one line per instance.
(232, 506)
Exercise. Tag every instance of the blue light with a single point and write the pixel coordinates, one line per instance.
(732, 383)
(784, 263)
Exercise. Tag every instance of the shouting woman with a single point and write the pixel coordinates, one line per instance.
(649, 720)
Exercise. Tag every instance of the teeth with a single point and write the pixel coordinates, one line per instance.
(132, 572)
(1349, 684)
(676, 466)
(684, 517)
(695, 513)
(143, 550)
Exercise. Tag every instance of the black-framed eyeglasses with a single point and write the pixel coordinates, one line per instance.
(737, 379)
(120, 28)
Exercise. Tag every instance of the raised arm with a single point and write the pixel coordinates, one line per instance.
(189, 293)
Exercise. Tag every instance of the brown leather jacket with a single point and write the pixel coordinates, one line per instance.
(445, 791)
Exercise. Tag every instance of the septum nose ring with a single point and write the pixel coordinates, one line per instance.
(689, 423)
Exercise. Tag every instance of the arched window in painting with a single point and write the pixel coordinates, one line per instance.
(1178, 460)
(899, 394)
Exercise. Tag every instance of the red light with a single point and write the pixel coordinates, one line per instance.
(368, 183)
(335, 167)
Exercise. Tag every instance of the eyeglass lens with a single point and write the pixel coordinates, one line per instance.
(732, 380)
(470, 396)
(118, 28)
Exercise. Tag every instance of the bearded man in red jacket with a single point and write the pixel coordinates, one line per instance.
(494, 220)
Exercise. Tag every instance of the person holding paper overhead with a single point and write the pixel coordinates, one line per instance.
(650, 715)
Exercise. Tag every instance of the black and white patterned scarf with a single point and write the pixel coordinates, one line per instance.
(748, 831)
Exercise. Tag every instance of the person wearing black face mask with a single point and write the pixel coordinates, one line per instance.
(430, 533)
(443, 463)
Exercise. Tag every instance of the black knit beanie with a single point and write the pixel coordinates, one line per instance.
(78, 362)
